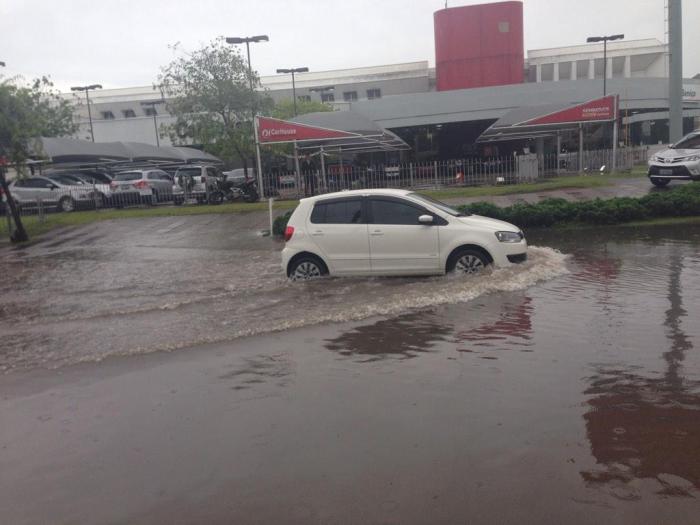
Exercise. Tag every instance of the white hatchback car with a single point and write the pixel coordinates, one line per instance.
(393, 232)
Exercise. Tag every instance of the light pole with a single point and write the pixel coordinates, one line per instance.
(604, 39)
(152, 104)
(294, 86)
(87, 98)
(247, 40)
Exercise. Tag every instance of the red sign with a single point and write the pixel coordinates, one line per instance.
(274, 130)
(599, 109)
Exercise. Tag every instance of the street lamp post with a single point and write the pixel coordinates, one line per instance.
(293, 71)
(152, 104)
(604, 39)
(87, 98)
(247, 40)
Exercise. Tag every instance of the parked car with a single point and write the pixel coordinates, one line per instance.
(33, 191)
(681, 161)
(198, 181)
(102, 192)
(135, 186)
(393, 232)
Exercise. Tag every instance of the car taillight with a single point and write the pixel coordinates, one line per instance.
(142, 184)
(113, 185)
(288, 232)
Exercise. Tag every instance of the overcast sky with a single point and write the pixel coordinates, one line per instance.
(121, 43)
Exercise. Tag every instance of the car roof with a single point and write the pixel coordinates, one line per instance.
(386, 192)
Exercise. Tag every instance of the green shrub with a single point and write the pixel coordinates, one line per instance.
(280, 223)
(681, 201)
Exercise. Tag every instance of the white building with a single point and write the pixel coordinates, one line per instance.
(119, 115)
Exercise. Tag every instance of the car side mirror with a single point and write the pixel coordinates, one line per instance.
(425, 219)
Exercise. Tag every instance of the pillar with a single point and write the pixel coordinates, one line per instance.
(609, 71)
(538, 71)
(628, 66)
(574, 70)
(591, 68)
(555, 73)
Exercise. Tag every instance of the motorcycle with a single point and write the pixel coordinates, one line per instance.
(227, 190)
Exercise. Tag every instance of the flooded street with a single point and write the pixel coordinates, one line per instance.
(566, 390)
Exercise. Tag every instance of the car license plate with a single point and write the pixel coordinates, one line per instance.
(665, 172)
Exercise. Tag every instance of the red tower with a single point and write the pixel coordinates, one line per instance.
(479, 45)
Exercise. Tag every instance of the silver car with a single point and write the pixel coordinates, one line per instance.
(135, 186)
(198, 181)
(681, 161)
(42, 191)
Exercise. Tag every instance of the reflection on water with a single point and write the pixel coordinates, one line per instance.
(405, 337)
(514, 325)
(648, 427)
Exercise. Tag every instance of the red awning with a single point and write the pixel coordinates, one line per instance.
(272, 131)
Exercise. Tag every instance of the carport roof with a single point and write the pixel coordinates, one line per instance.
(66, 150)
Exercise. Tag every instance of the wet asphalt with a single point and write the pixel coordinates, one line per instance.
(567, 392)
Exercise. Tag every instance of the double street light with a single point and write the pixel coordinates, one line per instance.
(604, 39)
(247, 40)
(293, 71)
(87, 98)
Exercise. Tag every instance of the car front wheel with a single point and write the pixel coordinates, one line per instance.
(66, 204)
(467, 261)
(307, 268)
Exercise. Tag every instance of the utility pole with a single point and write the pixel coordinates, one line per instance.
(87, 98)
(675, 77)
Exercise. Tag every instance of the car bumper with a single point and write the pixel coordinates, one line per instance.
(676, 171)
(508, 254)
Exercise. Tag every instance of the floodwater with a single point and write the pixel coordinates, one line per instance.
(564, 391)
(109, 290)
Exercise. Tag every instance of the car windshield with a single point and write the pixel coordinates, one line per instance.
(191, 172)
(66, 179)
(128, 175)
(689, 142)
(437, 204)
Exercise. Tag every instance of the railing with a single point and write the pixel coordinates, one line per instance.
(41, 204)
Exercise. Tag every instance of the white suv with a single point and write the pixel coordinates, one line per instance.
(681, 161)
(393, 232)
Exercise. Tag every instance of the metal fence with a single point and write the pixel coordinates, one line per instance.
(41, 203)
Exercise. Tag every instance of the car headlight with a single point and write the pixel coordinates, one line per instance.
(692, 159)
(509, 236)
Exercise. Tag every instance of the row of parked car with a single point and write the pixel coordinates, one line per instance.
(71, 189)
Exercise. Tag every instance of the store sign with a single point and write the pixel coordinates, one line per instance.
(594, 110)
(272, 130)
(691, 92)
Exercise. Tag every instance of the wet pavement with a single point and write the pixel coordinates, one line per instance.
(565, 392)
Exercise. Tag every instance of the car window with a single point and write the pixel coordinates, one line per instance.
(128, 175)
(66, 179)
(692, 142)
(38, 183)
(338, 212)
(395, 212)
(192, 172)
(211, 172)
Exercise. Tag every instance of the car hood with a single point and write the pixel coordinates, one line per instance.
(674, 153)
(487, 222)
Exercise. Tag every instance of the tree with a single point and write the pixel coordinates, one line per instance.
(284, 109)
(209, 94)
(28, 112)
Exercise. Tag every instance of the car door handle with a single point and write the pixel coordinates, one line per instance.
(317, 233)
(377, 232)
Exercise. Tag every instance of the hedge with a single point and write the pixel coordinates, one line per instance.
(682, 201)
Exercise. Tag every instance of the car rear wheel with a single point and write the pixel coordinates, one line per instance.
(66, 204)
(306, 268)
(468, 261)
(659, 183)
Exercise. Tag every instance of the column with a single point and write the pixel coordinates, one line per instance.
(591, 68)
(538, 69)
(628, 66)
(609, 68)
(574, 72)
(555, 74)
